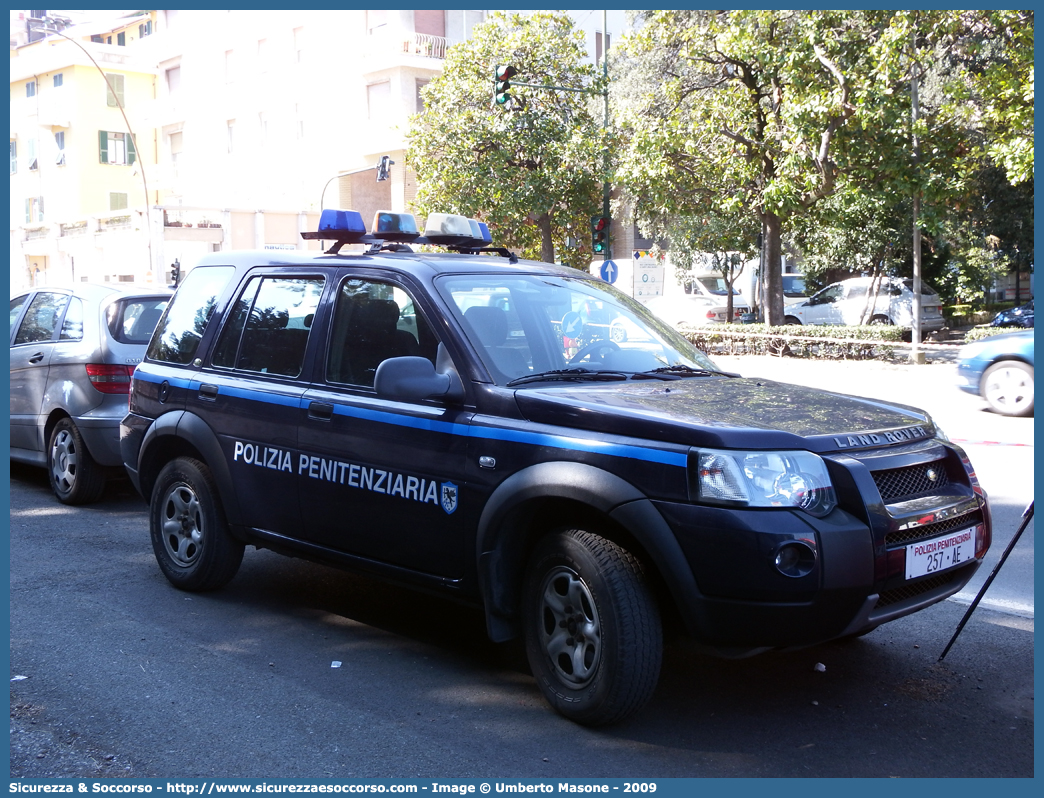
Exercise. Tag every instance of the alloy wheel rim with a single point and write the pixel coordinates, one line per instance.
(1009, 388)
(63, 460)
(182, 525)
(570, 630)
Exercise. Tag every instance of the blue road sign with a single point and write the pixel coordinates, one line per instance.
(572, 324)
(609, 271)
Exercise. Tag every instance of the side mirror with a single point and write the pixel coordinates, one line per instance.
(415, 378)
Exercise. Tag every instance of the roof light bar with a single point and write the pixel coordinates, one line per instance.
(391, 226)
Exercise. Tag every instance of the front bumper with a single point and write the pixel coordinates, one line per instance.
(856, 577)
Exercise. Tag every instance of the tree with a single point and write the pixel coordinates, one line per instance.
(787, 108)
(532, 168)
(757, 100)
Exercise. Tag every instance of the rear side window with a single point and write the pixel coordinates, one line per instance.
(181, 327)
(267, 329)
(41, 319)
(131, 321)
(72, 327)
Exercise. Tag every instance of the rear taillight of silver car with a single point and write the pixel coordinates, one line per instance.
(109, 378)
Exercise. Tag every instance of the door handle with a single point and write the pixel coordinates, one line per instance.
(36, 358)
(320, 411)
(208, 392)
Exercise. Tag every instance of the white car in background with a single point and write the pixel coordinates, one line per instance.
(692, 309)
(847, 302)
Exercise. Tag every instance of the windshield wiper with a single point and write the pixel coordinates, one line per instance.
(576, 374)
(678, 372)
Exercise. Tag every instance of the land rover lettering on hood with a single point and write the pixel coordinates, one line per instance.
(526, 438)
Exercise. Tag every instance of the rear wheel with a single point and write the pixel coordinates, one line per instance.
(1008, 388)
(190, 535)
(75, 477)
(592, 628)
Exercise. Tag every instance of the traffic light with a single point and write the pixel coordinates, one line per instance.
(501, 83)
(599, 234)
(175, 272)
(383, 172)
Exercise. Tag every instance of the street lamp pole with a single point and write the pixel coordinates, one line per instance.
(130, 132)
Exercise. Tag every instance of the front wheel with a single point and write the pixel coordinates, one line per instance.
(792, 320)
(592, 628)
(190, 535)
(1008, 388)
(75, 477)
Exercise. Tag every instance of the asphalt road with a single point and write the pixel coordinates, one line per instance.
(127, 677)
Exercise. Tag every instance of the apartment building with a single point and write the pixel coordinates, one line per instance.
(244, 121)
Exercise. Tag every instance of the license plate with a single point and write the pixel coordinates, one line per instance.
(938, 554)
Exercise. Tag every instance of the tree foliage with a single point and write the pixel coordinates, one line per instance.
(803, 118)
(533, 170)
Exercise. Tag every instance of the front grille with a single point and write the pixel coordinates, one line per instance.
(914, 589)
(899, 483)
(906, 536)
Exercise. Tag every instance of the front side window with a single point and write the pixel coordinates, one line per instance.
(267, 329)
(42, 318)
(182, 326)
(524, 326)
(374, 321)
(16, 308)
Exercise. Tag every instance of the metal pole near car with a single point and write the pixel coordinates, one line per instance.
(916, 355)
(1027, 516)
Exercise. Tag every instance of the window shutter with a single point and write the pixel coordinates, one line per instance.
(40, 208)
(103, 146)
(131, 153)
(28, 211)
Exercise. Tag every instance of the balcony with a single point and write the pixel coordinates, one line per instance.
(390, 48)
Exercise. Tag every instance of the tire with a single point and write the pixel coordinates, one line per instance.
(1007, 387)
(792, 320)
(75, 477)
(592, 628)
(190, 535)
(884, 321)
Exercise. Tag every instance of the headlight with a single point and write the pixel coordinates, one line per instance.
(939, 433)
(796, 480)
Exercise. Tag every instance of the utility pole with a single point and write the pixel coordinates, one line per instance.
(916, 355)
(134, 139)
(502, 75)
(608, 255)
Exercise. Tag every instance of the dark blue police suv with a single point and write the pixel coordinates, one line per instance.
(470, 423)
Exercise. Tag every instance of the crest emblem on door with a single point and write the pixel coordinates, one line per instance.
(449, 497)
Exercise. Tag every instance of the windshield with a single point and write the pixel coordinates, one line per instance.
(716, 286)
(793, 285)
(564, 327)
(926, 290)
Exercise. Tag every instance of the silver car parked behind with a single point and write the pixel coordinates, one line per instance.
(73, 351)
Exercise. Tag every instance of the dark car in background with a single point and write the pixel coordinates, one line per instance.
(1022, 316)
(73, 351)
(1000, 370)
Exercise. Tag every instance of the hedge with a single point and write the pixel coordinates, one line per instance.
(856, 342)
(978, 333)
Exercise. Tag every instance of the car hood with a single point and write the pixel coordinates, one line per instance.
(745, 412)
